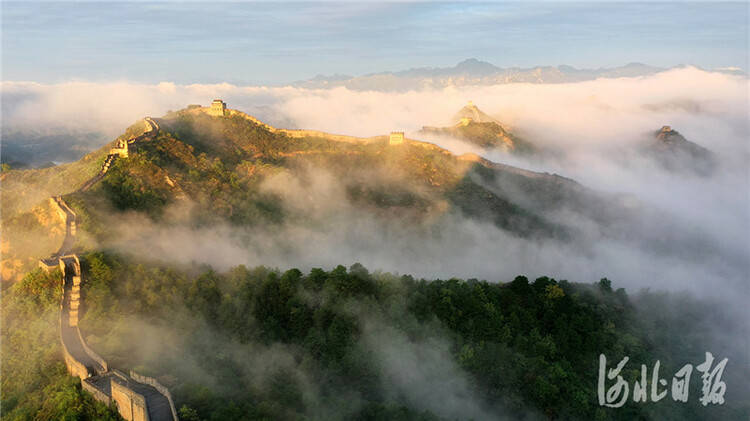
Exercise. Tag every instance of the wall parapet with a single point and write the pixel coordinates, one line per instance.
(300, 133)
(75, 367)
(130, 404)
(55, 202)
(68, 211)
(94, 356)
(98, 394)
(158, 386)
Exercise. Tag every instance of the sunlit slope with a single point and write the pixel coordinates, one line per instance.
(24, 189)
(472, 125)
(484, 134)
(30, 227)
(237, 169)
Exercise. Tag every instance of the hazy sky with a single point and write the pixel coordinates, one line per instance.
(272, 43)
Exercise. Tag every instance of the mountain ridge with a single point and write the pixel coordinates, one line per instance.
(476, 72)
(232, 168)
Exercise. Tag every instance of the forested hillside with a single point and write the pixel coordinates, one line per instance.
(257, 343)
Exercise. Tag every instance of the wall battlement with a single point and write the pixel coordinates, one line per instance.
(292, 133)
(130, 404)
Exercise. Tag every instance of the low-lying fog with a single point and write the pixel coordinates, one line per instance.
(590, 128)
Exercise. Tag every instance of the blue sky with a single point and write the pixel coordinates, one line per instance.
(276, 43)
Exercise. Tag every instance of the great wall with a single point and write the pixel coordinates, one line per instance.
(396, 138)
(218, 109)
(137, 397)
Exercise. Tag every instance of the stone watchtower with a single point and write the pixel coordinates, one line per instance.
(396, 138)
(218, 108)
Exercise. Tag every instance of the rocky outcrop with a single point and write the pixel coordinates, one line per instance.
(675, 153)
(471, 113)
(471, 125)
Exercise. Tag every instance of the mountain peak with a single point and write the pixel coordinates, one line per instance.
(474, 66)
(675, 152)
(471, 112)
(668, 135)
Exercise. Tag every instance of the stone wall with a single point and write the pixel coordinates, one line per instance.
(98, 394)
(105, 385)
(91, 368)
(69, 306)
(298, 133)
(130, 404)
(75, 367)
(158, 386)
(55, 203)
(334, 137)
(121, 150)
(94, 356)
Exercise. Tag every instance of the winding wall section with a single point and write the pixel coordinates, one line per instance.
(137, 397)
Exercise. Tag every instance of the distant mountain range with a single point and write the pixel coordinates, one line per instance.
(476, 72)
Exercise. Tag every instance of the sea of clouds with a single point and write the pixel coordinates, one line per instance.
(590, 131)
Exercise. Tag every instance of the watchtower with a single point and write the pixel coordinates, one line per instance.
(396, 138)
(218, 108)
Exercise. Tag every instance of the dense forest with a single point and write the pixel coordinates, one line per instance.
(348, 344)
